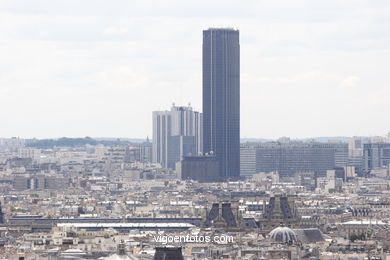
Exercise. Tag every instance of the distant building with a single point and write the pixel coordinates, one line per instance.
(200, 168)
(247, 161)
(40, 182)
(290, 158)
(176, 133)
(221, 98)
(376, 155)
(141, 152)
(340, 153)
(21, 183)
(18, 162)
(273, 177)
(26, 152)
(306, 179)
(114, 160)
(56, 183)
(355, 146)
(356, 162)
(332, 181)
(350, 172)
(378, 139)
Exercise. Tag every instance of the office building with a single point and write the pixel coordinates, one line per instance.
(247, 160)
(200, 168)
(176, 133)
(221, 98)
(40, 182)
(355, 146)
(340, 153)
(21, 182)
(376, 155)
(289, 158)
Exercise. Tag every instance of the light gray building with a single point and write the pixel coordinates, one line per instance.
(176, 133)
(292, 157)
(247, 160)
(376, 155)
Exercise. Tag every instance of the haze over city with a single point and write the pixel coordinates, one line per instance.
(308, 68)
(194, 130)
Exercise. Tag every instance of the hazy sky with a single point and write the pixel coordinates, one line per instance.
(99, 68)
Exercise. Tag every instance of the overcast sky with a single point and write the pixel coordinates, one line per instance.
(99, 68)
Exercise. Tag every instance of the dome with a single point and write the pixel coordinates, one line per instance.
(283, 234)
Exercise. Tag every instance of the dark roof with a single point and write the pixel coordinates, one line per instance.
(227, 214)
(310, 235)
(168, 253)
(284, 208)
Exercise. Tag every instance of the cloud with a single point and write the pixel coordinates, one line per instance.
(306, 66)
(113, 30)
(350, 82)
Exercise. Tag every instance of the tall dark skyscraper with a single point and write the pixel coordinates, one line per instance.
(221, 98)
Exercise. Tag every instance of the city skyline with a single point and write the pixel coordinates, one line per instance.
(307, 69)
(195, 130)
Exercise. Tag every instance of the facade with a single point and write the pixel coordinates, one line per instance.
(340, 153)
(224, 214)
(376, 155)
(355, 145)
(306, 179)
(247, 161)
(40, 182)
(141, 152)
(176, 133)
(199, 168)
(279, 211)
(114, 160)
(221, 98)
(27, 152)
(289, 158)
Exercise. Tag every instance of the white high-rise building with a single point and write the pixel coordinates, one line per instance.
(176, 133)
(355, 147)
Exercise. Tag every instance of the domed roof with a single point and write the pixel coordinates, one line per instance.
(283, 234)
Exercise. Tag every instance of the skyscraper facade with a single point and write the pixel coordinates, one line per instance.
(221, 99)
(176, 133)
